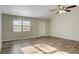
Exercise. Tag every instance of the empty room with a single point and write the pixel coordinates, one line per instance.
(39, 29)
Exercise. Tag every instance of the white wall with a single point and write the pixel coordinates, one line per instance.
(66, 25)
(0, 30)
(38, 28)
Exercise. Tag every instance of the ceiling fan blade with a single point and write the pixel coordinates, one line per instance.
(71, 6)
(54, 10)
(67, 10)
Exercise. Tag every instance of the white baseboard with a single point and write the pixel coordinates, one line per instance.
(74, 39)
(69, 38)
(22, 38)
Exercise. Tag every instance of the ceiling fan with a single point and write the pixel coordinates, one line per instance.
(63, 9)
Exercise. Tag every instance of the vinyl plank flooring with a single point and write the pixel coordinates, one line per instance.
(62, 45)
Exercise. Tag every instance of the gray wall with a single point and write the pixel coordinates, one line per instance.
(37, 29)
(0, 30)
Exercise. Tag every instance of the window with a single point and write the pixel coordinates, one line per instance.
(21, 25)
(17, 25)
(26, 25)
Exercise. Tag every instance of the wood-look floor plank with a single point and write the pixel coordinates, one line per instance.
(64, 45)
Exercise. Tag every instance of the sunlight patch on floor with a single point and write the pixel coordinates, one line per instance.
(30, 50)
(40, 49)
(46, 48)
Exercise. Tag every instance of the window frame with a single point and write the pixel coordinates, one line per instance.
(22, 27)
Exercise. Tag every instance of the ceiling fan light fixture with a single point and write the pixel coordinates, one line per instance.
(61, 11)
(64, 11)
